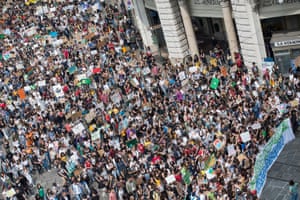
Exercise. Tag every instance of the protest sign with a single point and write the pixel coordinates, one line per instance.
(57, 89)
(210, 162)
(170, 179)
(10, 193)
(224, 71)
(245, 137)
(281, 108)
(6, 55)
(186, 176)
(134, 82)
(19, 66)
(267, 65)
(86, 81)
(214, 83)
(41, 10)
(75, 116)
(181, 76)
(21, 93)
(78, 128)
(96, 70)
(193, 69)
(213, 62)
(57, 43)
(72, 69)
(95, 135)
(41, 83)
(79, 77)
(256, 126)
(131, 143)
(210, 173)
(130, 96)
(231, 151)
(70, 166)
(27, 88)
(116, 98)
(90, 116)
(218, 144)
(146, 71)
(30, 32)
(185, 82)
(52, 9)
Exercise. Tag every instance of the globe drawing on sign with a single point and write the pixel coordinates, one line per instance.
(57, 90)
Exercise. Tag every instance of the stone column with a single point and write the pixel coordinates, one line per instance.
(249, 31)
(188, 26)
(173, 29)
(229, 26)
(143, 25)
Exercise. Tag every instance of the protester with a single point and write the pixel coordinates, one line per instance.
(81, 94)
(293, 190)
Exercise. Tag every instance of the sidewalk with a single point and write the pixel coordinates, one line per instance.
(286, 167)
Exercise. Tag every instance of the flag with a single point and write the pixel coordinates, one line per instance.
(2, 36)
(214, 83)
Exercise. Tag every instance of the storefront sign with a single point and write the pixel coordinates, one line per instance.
(207, 2)
(287, 43)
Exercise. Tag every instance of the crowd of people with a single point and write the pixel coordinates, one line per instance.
(81, 94)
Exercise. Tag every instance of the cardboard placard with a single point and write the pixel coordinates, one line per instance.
(218, 144)
(95, 135)
(41, 83)
(90, 116)
(76, 116)
(214, 83)
(57, 89)
(134, 82)
(231, 151)
(21, 93)
(77, 129)
(245, 137)
(193, 69)
(224, 71)
(181, 76)
(131, 143)
(146, 71)
(256, 126)
(170, 179)
(19, 66)
(116, 98)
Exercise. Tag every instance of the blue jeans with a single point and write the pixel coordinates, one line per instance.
(294, 196)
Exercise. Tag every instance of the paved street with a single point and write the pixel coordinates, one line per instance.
(286, 167)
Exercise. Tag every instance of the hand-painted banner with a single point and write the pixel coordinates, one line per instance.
(270, 153)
